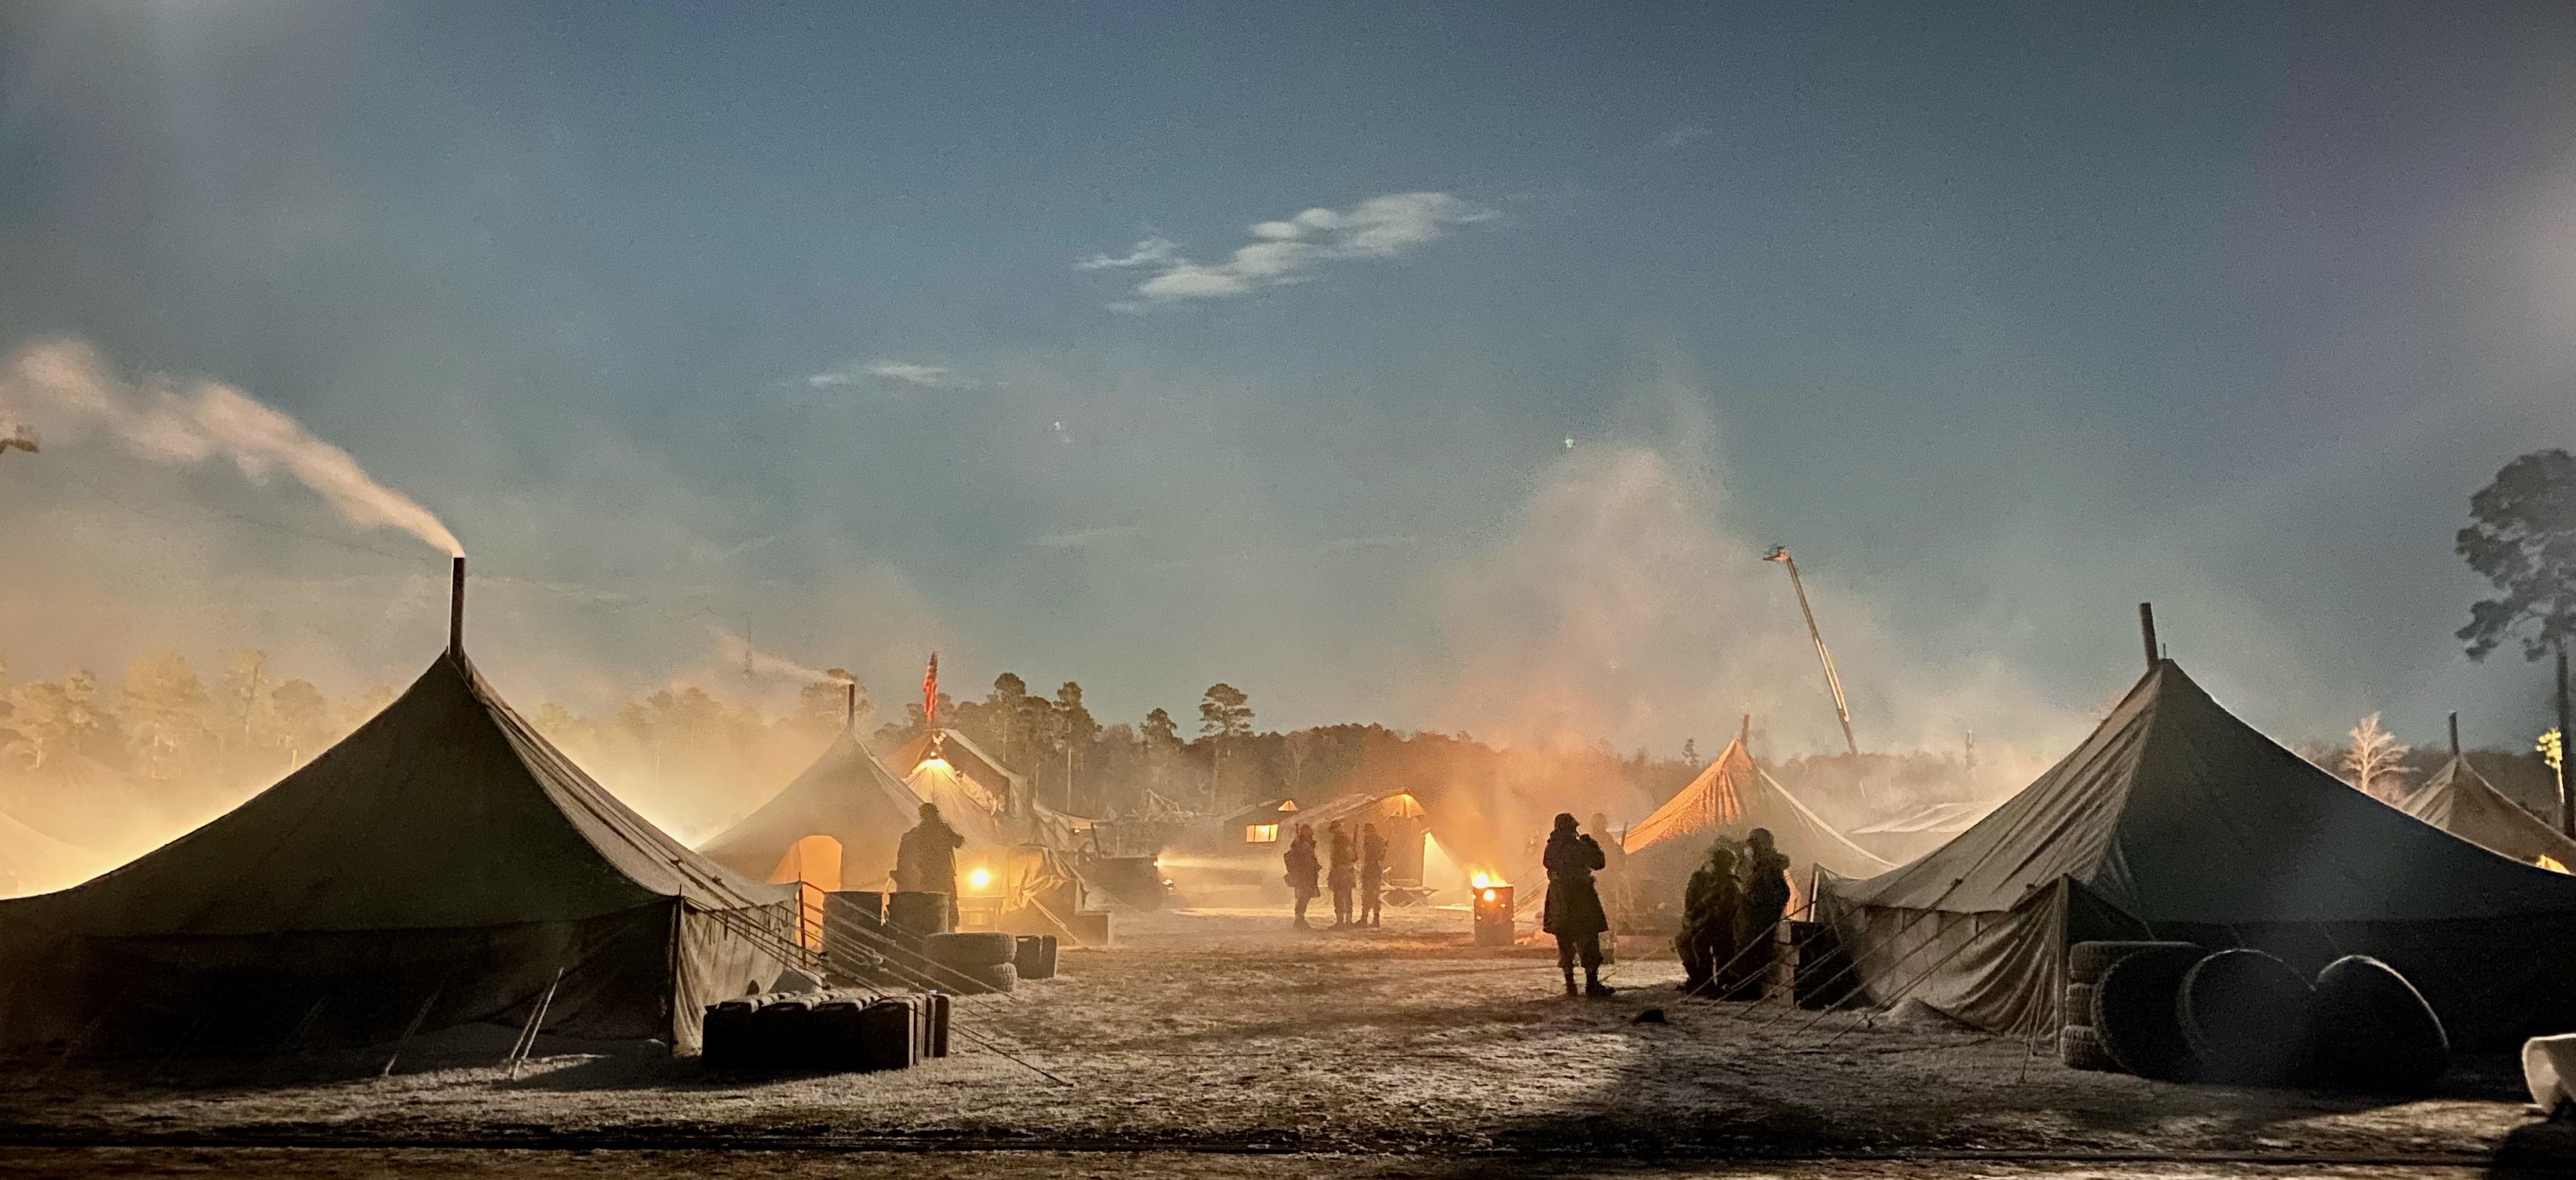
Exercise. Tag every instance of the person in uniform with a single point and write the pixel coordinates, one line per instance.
(1573, 912)
(1345, 876)
(1757, 921)
(925, 860)
(1372, 874)
(1303, 868)
(1612, 881)
(1707, 941)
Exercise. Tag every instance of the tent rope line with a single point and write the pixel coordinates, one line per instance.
(1964, 946)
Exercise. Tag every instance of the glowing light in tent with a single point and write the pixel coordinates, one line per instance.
(979, 878)
(1260, 833)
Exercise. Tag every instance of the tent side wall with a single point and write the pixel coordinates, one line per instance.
(2001, 971)
(717, 956)
(629, 975)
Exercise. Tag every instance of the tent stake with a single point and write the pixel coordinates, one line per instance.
(421, 1015)
(536, 1020)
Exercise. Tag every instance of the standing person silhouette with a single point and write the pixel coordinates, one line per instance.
(1573, 906)
(925, 860)
(1345, 874)
(1757, 920)
(1372, 874)
(1709, 904)
(1302, 870)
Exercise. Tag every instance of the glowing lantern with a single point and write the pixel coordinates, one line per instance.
(1492, 903)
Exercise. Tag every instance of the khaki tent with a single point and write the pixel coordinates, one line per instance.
(846, 795)
(33, 862)
(1729, 799)
(2460, 801)
(960, 769)
(2175, 820)
(441, 866)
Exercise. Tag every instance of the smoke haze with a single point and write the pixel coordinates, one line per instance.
(65, 389)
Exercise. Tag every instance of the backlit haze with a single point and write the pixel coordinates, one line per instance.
(1450, 369)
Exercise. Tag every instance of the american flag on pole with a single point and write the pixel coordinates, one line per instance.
(930, 696)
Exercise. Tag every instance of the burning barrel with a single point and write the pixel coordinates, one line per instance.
(1492, 901)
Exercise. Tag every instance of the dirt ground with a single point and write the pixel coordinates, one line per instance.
(1215, 1043)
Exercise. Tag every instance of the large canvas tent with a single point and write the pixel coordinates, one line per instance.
(2462, 802)
(2176, 820)
(441, 866)
(1728, 799)
(847, 795)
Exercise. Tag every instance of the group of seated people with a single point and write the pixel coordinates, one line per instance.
(1731, 913)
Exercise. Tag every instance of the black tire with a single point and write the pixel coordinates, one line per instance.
(2086, 961)
(2372, 1031)
(2245, 1015)
(725, 1037)
(977, 981)
(977, 949)
(2080, 1048)
(2134, 1012)
(2079, 1004)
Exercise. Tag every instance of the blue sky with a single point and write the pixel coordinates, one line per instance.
(2005, 319)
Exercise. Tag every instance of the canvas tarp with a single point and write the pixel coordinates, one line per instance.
(440, 866)
(2174, 819)
(2460, 801)
(1905, 837)
(845, 794)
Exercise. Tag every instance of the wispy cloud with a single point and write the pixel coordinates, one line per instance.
(1682, 136)
(1284, 252)
(899, 372)
(1355, 544)
(1085, 538)
(1150, 252)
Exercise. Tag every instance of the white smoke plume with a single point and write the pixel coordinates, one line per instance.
(738, 652)
(67, 388)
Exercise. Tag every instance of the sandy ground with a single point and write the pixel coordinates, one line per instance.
(1219, 1042)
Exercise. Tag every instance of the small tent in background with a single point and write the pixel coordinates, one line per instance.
(1727, 800)
(2176, 820)
(2460, 801)
(441, 866)
(97, 809)
(959, 770)
(1400, 820)
(32, 862)
(846, 796)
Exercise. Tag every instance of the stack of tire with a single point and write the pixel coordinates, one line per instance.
(972, 963)
(824, 1032)
(2176, 1012)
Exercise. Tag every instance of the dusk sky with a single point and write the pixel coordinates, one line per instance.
(1450, 367)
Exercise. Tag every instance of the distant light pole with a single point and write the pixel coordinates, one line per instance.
(1842, 712)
